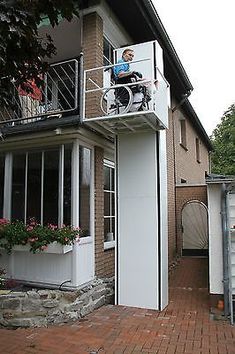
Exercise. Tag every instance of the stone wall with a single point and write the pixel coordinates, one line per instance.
(38, 308)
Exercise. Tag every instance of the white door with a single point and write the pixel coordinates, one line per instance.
(195, 229)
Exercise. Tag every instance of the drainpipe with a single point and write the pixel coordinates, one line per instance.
(225, 243)
(81, 87)
(184, 97)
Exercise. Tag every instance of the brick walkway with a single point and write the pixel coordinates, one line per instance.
(184, 327)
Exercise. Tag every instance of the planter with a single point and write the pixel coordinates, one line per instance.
(54, 247)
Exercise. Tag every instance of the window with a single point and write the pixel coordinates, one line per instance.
(107, 52)
(198, 157)
(1, 184)
(107, 60)
(41, 186)
(84, 189)
(183, 141)
(109, 202)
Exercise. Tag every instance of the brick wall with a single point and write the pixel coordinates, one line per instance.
(183, 195)
(93, 57)
(171, 190)
(104, 260)
(187, 167)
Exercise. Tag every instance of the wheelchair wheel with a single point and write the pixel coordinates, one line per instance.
(116, 100)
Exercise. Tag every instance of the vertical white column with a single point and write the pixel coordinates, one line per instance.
(75, 210)
(163, 236)
(139, 255)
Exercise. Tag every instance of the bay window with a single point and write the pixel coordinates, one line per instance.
(39, 185)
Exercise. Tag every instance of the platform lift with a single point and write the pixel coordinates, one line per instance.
(139, 132)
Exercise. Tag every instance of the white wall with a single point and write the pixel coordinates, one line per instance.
(215, 240)
(140, 252)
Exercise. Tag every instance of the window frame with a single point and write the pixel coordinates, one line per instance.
(198, 150)
(111, 165)
(183, 134)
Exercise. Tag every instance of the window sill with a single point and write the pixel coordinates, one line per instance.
(109, 244)
(84, 240)
(184, 147)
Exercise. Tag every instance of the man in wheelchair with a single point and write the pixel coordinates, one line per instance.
(123, 75)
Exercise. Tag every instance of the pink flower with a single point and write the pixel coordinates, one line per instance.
(4, 221)
(32, 239)
(29, 228)
(43, 248)
(52, 227)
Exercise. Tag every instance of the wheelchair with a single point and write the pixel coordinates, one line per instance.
(121, 100)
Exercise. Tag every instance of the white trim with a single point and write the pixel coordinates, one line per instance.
(109, 244)
(183, 185)
(61, 187)
(85, 240)
(42, 185)
(26, 185)
(7, 186)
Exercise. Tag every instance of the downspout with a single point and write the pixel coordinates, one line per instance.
(225, 245)
(184, 98)
(81, 71)
(81, 87)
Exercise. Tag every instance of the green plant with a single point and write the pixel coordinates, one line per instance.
(36, 235)
(2, 277)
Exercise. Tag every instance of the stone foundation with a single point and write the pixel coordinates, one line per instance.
(40, 308)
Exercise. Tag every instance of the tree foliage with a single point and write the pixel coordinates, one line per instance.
(23, 53)
(223, 140)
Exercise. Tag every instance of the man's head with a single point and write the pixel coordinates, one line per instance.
(128, 54)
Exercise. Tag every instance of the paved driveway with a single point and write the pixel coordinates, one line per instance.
(183, 327)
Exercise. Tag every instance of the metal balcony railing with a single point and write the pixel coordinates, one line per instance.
(57, 95)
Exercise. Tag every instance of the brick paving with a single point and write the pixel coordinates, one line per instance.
(183, 327)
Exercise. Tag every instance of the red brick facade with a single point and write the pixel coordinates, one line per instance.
(104, 259)
(171, 190)
(93, 57)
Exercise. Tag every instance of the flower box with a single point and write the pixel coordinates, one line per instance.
(54, 247)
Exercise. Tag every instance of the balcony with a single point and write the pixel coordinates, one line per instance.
(111, 108)
(57, 97)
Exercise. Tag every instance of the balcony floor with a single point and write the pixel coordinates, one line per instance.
(129, 123)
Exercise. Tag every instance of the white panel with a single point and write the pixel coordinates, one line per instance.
(138, 222)
(215, 239)
(163, 219)
(44, 268)
(85, 264)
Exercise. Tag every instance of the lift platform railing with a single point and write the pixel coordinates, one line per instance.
(57, 95)
(104, 96)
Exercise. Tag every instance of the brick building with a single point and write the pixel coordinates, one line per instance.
(62, 170)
